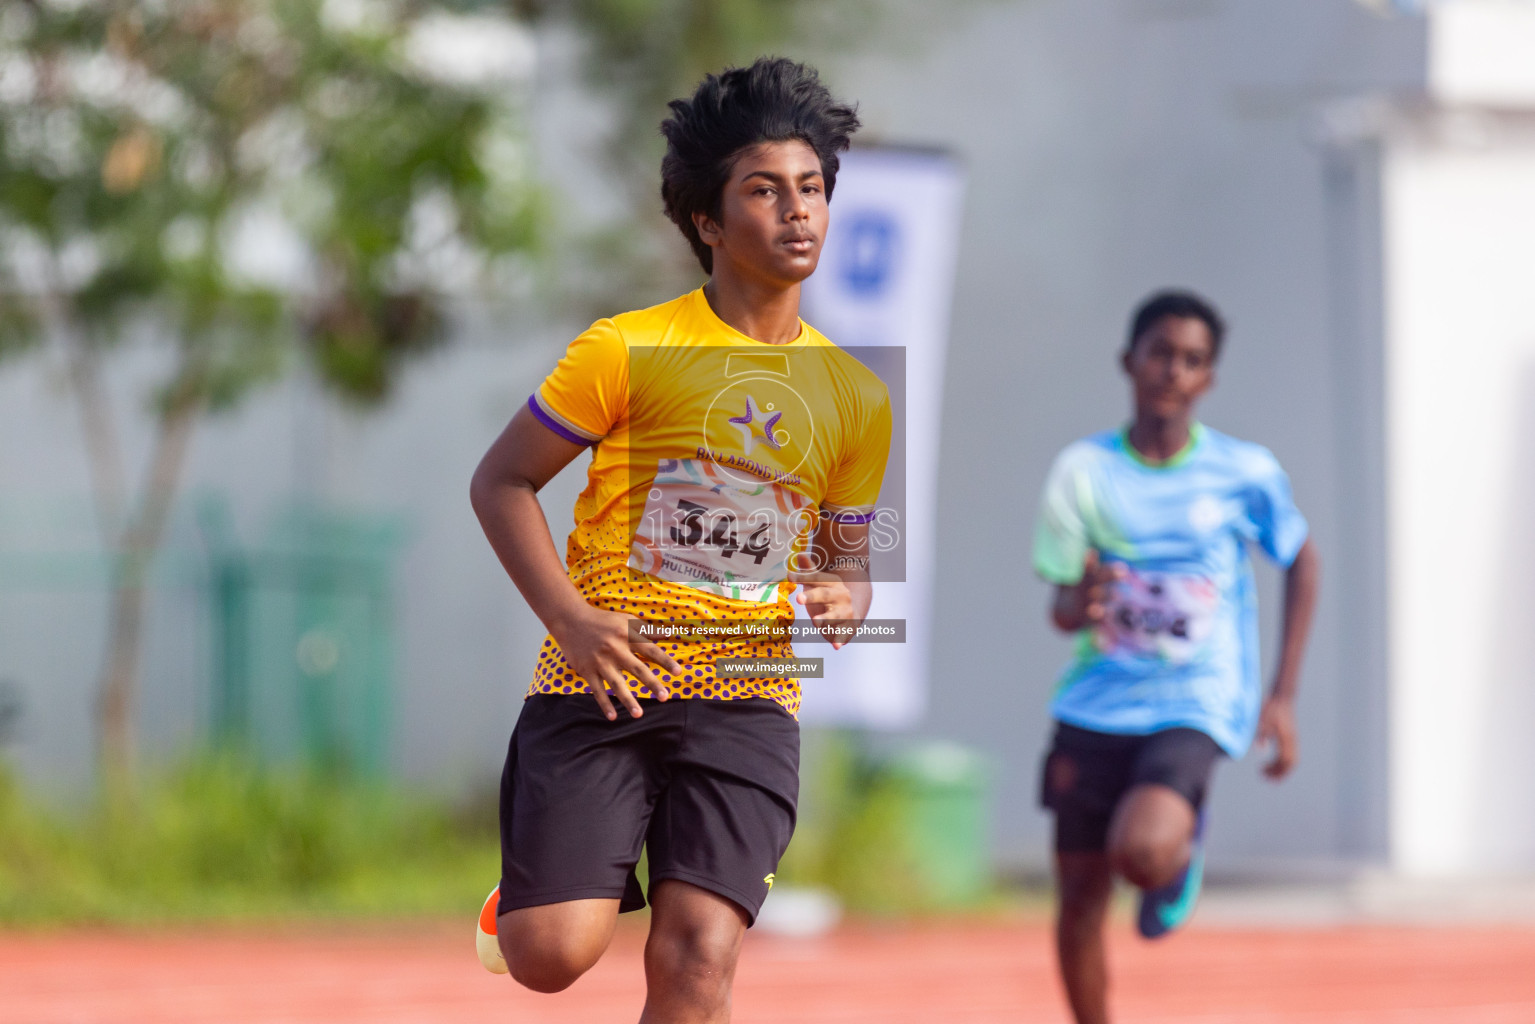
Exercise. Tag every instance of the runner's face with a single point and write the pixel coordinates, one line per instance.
(773, 215)
(1171, 365)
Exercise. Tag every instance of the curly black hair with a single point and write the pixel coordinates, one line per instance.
(774, 100)
(1173, 302)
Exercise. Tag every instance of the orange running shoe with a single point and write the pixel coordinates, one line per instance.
(485, 943)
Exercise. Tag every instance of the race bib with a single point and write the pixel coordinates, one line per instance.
(1159, 615)
(719, 533)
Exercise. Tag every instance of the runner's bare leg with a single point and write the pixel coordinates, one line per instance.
(1084, 884)
(547, 948)
(690, 957)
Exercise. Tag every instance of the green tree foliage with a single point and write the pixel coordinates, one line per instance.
(236, 182)
(650, 51)
(640, 54)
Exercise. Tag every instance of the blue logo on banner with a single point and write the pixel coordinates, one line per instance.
(868, 258)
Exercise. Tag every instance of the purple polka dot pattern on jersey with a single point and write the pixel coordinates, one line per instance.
(697, 681)
(601, 573)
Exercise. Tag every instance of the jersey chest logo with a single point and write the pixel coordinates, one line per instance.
(1206, 513)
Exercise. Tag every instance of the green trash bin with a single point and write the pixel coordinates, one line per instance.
(304, 638)
(943, 795)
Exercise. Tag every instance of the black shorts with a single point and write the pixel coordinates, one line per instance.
(710, 787)
(1087, 772)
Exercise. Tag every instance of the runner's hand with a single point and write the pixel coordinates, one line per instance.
(1276, 727)
(1083, 604)
(829, 599)
(597, 648)
(1097, 586)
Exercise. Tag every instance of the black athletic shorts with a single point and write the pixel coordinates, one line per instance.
(1086, 773)
(710, 787)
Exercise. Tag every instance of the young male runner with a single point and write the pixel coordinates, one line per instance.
(732, 447)
(1144, 532)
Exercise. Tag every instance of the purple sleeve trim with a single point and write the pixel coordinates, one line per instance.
(853, 518)
(555, 425)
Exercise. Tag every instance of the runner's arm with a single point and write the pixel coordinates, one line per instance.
(504, 493)
(1276, 724)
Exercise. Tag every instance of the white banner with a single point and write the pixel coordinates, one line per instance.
(883, 291)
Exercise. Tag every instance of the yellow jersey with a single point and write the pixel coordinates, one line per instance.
(713, 457)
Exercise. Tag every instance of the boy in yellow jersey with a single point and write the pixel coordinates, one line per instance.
(736, 459)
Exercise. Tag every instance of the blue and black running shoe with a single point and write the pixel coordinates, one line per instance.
(1170, 906)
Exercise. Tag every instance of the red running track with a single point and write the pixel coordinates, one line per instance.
(965, 973)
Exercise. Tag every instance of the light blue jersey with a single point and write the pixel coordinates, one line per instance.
(1179, 643)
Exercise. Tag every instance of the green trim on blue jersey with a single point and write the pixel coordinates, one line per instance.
(1173, 461)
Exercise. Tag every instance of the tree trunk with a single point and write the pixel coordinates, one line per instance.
(117, 700)
(116, 742)
(102, 450)
(134, 542)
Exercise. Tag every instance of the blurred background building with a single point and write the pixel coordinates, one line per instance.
(1354, 187)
